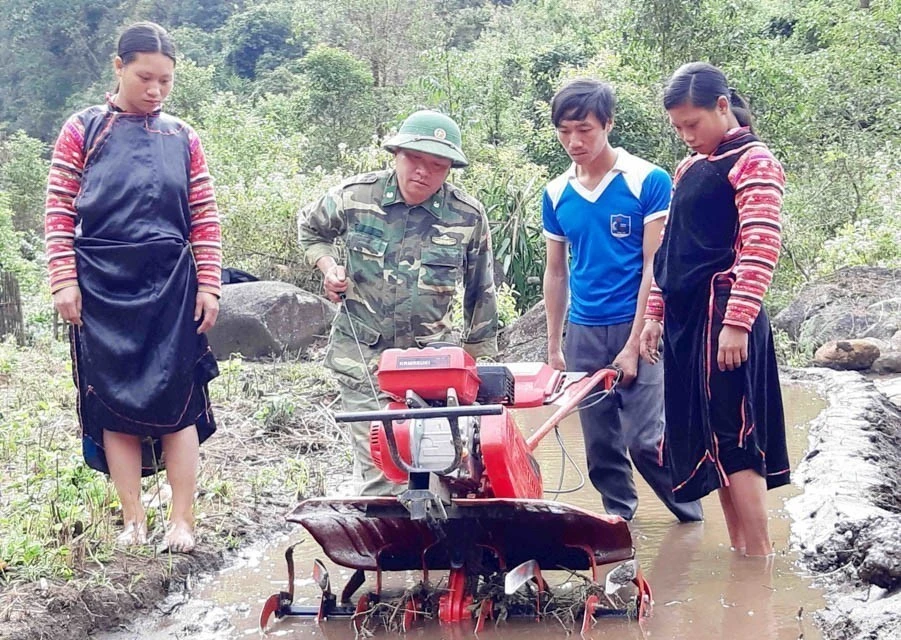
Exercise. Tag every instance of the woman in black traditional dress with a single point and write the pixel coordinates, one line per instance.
(724, 423)
(133, 243)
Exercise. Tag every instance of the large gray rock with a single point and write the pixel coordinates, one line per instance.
(887, 363)
(526, 339)
(268, 318)
(855, 302)
(879, 545)
(846, 355)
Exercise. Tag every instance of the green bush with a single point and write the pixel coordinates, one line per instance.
(23, 176)
(512, 201)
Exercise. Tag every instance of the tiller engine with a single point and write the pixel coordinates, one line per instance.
(470, 502)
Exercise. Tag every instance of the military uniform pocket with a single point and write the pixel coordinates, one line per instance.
(440, 268)
(366, 256)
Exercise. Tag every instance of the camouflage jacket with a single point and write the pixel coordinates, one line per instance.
(405, 262)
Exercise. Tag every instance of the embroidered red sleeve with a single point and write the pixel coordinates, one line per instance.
(63, 184)
(759, 184)
(206, 234)
(654, 308)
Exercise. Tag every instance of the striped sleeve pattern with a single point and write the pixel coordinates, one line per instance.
(206, 234)
(759, 184)
(63, 184)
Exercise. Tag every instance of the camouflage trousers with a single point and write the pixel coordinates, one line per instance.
(357, 394)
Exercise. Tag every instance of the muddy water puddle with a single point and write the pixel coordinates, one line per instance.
(702, 590)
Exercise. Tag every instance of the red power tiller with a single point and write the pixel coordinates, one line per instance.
(473, 500)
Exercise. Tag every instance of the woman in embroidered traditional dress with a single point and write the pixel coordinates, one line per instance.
(133, 242)
(724, 422)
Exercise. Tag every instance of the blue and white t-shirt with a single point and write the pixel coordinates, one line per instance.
(605, 230)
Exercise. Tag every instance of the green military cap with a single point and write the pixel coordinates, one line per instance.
(430, 132)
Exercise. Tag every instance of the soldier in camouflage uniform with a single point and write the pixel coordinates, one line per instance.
(410, 239)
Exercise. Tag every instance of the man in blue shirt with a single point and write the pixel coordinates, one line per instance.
(602, 224)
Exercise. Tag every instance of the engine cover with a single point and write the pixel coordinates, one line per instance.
(430, 372)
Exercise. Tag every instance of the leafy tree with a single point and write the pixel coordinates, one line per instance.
(9, 237)
(387, 34)
(192, 92)
(202, 14)
(202, 47)
(51, 49)
(338, 103)
(512, 202)
(259, 37)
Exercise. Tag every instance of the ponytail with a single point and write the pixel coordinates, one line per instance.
(740, 109)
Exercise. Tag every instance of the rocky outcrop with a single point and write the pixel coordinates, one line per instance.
(268, 318)
(887, 363)
(526, 339)
(846, 355)
(855, 302)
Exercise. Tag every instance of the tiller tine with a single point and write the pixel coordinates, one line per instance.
(645, 597)
(359, 614)
(486, 611)
(411, 612)
(454, 605)
(272, 605)
(281, 604)
(625, 573)
(356, 581)
(619, 576)
(528, 571)
(630, 572)
(327, 601)
(591, 604)
(321, 577)
(517, 577)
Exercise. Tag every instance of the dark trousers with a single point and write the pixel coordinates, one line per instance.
(632, 421)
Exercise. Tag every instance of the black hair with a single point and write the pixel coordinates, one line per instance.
(144, 37)
(583, 96)
(701, 84)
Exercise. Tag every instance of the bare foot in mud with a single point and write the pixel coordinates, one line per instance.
(133, 534)
(179, 538)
